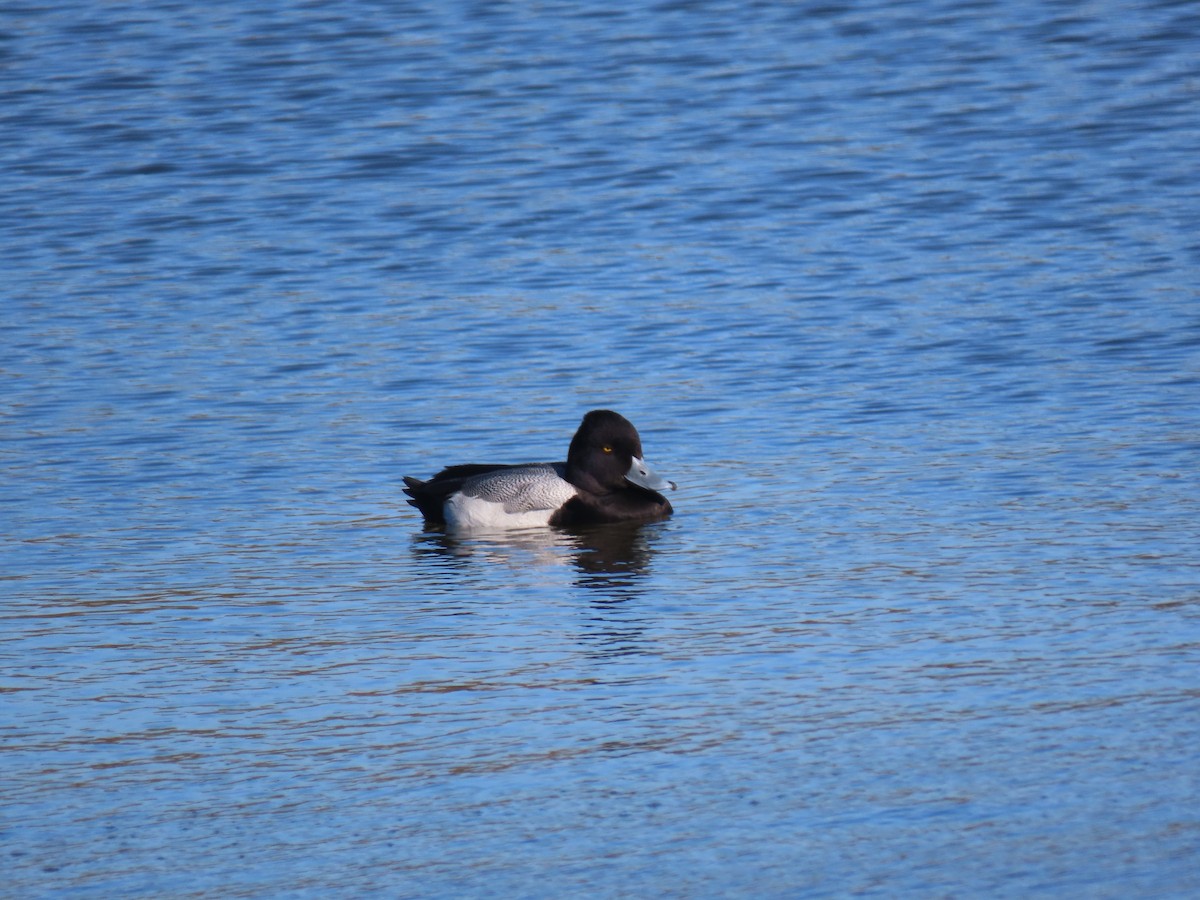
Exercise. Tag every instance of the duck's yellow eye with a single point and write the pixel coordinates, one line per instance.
(606, 448)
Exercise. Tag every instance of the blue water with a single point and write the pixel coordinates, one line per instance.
(905, 296)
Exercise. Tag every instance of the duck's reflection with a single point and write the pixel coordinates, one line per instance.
(609, 558)
(611, 562)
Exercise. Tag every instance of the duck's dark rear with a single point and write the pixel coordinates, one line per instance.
(430, 496)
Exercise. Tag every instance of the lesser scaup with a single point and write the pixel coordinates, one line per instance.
(605, 479)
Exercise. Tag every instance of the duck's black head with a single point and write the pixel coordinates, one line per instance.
(606, 456)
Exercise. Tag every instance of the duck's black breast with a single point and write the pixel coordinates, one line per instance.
(632, 505)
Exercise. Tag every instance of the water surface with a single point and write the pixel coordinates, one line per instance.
(904, 297)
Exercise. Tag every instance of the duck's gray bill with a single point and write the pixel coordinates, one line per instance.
(643, 476)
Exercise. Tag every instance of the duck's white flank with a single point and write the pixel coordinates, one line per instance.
(519, 497)
(465, 513)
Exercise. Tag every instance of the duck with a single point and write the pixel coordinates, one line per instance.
(605, 479)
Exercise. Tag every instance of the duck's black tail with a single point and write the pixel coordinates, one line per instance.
(430, 496)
